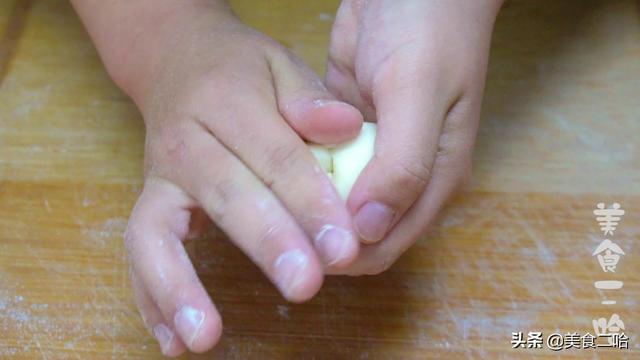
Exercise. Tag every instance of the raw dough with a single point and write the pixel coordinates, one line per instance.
(344, 162)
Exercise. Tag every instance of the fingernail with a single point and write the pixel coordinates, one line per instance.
(188, 322)
(164, 337)
(373, 221)
(332, 244)
(289, 269)
(324, 102)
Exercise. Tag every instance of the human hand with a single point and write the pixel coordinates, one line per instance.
(226, 111)
(417, 67)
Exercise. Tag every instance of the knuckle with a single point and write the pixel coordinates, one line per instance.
(457, 167)
(218, 198)
(176, 152)
(167, 145)
(227, 190)
(411, 173)
(280, 159)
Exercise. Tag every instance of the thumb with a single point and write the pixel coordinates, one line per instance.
(306, 104)
(410, 107)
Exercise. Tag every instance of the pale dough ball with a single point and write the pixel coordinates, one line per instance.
(344, 162)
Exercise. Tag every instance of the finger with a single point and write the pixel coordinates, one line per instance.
(284, 163)
(154, 321)
(158, 223)
(340, 75)
(341, 81)
(242, 206)
(451, 170)
(378, 257)
(410, 109)
(306, 104)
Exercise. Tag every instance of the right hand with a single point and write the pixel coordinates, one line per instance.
(226, 111)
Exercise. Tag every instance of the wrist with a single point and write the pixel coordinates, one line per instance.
(133, 38)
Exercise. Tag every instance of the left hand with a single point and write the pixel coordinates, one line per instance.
(417, 67)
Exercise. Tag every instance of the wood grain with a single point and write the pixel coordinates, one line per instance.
(559, 133)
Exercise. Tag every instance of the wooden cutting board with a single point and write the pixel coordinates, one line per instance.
(559, 133)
